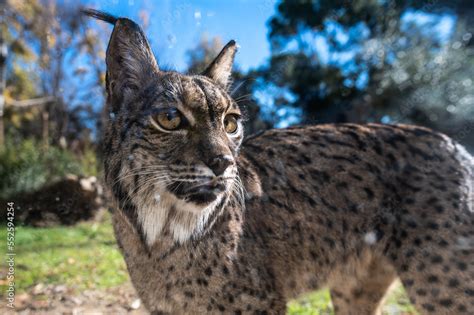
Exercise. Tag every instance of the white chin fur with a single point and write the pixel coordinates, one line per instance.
(187, 221)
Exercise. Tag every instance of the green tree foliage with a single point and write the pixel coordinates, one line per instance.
(374, 60)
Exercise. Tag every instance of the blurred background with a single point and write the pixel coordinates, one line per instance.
(300, 62)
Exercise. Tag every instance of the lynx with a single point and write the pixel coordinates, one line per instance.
(211, 223)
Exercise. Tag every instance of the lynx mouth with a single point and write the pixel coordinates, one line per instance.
(200, 194)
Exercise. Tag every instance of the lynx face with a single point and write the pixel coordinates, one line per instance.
(179, 138)
(194, 129)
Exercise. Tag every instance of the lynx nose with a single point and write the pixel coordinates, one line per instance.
(219, 163)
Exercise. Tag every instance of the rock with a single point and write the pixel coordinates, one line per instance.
(76, 300)
(136, 304)
(60, 289)
(40, 304)
(38, 289)
(22, 300)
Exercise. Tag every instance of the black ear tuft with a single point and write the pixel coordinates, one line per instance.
(100, 15)
(221, 68)
(130, 61)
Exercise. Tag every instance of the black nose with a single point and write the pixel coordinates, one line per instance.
(219, 164)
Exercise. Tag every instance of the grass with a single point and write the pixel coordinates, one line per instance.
(86, 257)
(319, 303)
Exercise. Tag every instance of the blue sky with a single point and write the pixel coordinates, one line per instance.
(177, 26)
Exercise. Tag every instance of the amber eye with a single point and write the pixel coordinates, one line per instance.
(169, 120)
(231, 123)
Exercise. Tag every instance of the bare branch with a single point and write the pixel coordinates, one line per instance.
(31, 102)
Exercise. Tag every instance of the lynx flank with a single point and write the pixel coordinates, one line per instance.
(209, 223)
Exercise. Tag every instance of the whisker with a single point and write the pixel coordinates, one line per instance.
(234, 90)
(145, 185)
(130, 174)
(245, 97)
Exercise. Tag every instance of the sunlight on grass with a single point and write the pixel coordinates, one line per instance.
(397, 302)
(319, 303)
(83, 256)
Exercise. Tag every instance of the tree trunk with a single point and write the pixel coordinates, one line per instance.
(45, 125)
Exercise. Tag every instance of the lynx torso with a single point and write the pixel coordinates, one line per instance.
(210, 225)
(345, 206)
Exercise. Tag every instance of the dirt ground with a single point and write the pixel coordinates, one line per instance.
(59, 299)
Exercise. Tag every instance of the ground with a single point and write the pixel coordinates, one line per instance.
(78, 270)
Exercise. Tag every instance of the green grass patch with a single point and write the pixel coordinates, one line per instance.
(397, 302)
(319, 303)
(82, 256)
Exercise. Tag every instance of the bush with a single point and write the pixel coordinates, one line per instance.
(26, 166)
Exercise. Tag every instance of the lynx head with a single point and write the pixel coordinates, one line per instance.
(172, 140)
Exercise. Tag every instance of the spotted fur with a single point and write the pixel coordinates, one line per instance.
(348, 206)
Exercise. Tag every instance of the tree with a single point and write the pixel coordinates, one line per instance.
(373, 61)
(52, 44)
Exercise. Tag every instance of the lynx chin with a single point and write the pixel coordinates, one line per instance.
(210, 223)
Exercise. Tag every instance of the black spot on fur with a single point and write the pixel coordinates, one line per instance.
(428, 307)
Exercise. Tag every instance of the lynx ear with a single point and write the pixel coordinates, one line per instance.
(220, 69)
(130, 61)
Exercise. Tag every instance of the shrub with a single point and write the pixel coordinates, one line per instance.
(26, 166)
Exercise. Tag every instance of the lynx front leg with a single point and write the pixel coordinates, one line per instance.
(362, 292)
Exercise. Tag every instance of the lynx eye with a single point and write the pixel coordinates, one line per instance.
(170, 119)
(231, 123)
